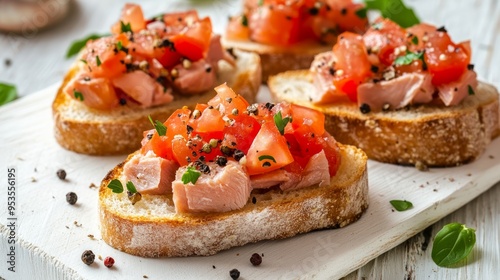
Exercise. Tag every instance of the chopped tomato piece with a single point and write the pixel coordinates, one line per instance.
(383, 37)
(194, 42)
(352, 67)
(131, 14)
(242, 131)
(308, 117)
(347, 16)
(181, 18)
(160, 145)
(268, 151)
(102, 60)
(227, 101)
(177, 123)
(446, 61)
(264, 20)
(209, 121)
(236, 30)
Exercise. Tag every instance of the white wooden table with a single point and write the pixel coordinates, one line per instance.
(37, 61)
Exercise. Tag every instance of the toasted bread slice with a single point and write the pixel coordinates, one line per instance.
(119, 131)
(151, 228)
(276, 59)
(432, 135)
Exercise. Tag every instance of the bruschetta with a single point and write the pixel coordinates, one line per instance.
(145, 67)
(230, 173)
(288, 34)
(406, 96)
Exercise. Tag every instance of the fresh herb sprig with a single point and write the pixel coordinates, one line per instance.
(453, 243)
(394, 10)
(408, 58)
(281, 122)
(8, 93)
(267, 157)
(77, 45)
(159, 126)
(190, 176)
(401, 205)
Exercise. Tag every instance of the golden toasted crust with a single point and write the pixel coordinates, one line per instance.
(279, 59)
(430, 134)
(150, 228)
(119, 131)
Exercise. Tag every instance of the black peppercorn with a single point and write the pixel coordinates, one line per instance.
(88, 257)
(238, 155)
(71, 198)
(234, 273)
(221, 161)
(365, 108)
(61, 174)
(256, 259)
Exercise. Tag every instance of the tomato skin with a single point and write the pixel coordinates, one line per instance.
(309, 117)
(102, 49)
(262, 19)
(180, 18)
(268, 142)
(236, 30)
(209, 121)
(160, 145)
(242, 132)
(446, 61)
(352, 60)
(194, 42)
(227, 100)
(383, 38)
(131, 14)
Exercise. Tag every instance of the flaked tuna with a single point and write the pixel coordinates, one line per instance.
(322, 78)
(150, 174)
(223, 189)
(454, 92)
(94, 92)
(142, 88)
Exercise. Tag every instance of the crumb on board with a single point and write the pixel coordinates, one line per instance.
(77, 224)
(92, 186)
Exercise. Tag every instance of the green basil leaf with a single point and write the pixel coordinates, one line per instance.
(281, 122)
(125, 27)
(8, 93)
(361, 13)
(78, 95)
(190, 176)
(116, 186)
(408, 58)
(452, 244)
(471, 90)
(77, 45)
(131, 187)
(414, 40)
(159, 126)
(244, 20)
(98, 60)
(394, 10)
(264, 157)
(401, 205)
(119, 45)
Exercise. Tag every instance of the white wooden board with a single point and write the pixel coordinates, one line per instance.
(49, 243)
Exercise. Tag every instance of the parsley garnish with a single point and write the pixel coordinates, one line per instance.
(160, 127)
(131, 187)
(404, 16)
(7, 93)
(453, 243)
(261, 2)
(408, 58)
(264, 157)
(125, 27)
(98, 60)
(281, 122)
(119, 45)
(244, 20)
(361, 13)
(190, 176)
(401, 205)
(83, 60)
(414, 40)
(78, 95)
(116, 186)
(77, 45)
(471, 90)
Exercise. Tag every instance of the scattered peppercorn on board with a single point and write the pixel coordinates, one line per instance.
(51, 234)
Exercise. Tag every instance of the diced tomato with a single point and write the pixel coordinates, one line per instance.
(181, 151)
(193, 43)
(167, 57)
(352, 61)
(180, 18)
(160, 145)
(102, 60)
(242, 131)
(268, 151)
(177, 123)
(227, 100)
(421, 31)
(308, 117)
(236, 30)
(446, 60)
(131, 14)
(264, 20)
(347, 15)
(209, 121)
(383, 37)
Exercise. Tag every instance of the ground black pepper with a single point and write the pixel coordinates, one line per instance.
(238, 155)
(71, 198)
(254, 200)
(221, 161)
(88, 257)
(8, 62)
(61, 174)
(365, 108)
(234, 273)
(256, 259)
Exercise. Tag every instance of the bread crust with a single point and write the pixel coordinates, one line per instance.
(142, 230)
(97, 132)
(276, 59)
(429, 134)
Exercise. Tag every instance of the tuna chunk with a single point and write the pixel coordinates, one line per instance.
(216, 52)
(454, 92)
(150, 174)
(398, 92)
(142, 88)
(321, 70)
(96, 93)
(223, 189)
(277, 177)
(315, 172)
(198, 78)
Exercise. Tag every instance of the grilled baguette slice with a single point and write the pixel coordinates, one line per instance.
(422, 134)
(151, 228)
(277, 59)
(119, 131)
